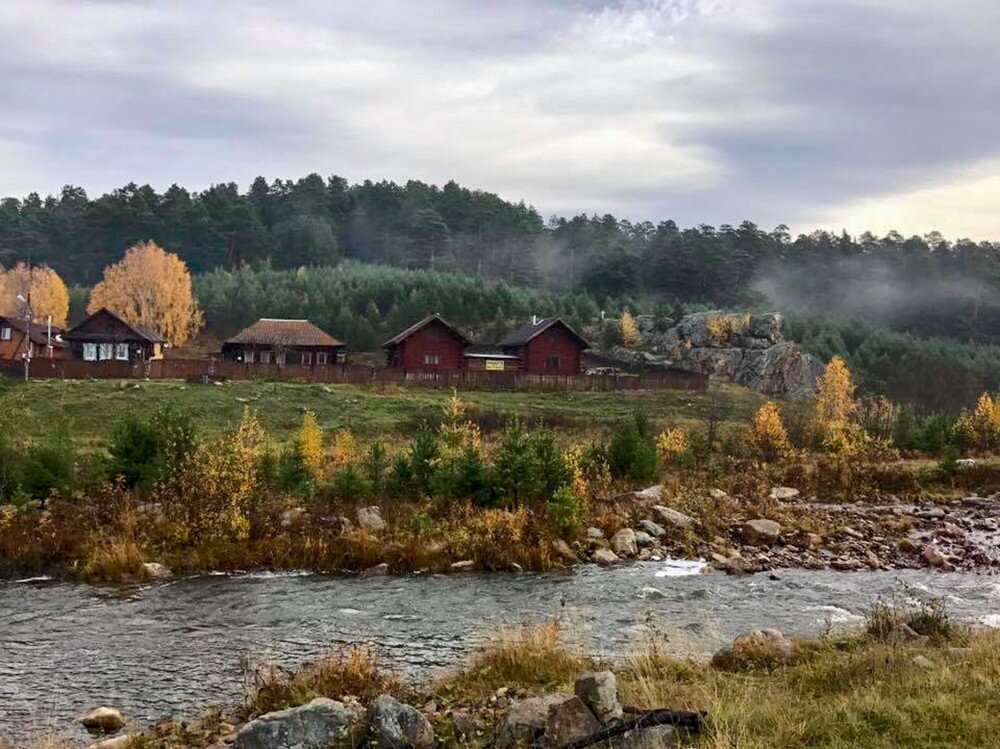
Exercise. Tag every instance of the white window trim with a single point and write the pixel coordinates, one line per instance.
(121, 352)
(321, 357)
(105, 351)
(433, 359)
(90, 352)
(306, 358)
(279, 357)
(5, 333)
(265, 357)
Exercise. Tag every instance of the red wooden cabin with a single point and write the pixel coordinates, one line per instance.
(105, 337)
(430, 345)
(546, 346)
(40, 340)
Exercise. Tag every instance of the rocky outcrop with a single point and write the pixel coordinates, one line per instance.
(397, 725)
(759, 647)
(102, 720)
(319, 724)
(749, 350)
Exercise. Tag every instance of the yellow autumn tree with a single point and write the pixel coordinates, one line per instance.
(150, 287)
(49, 295)
(457, 431)
(310, 444)
(672, 443)
(630, 331)
(767, 434)
(980, 428)
(835, 405)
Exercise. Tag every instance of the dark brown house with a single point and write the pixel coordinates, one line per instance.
(106, 337)
(276, 341)
(546, 346)
(429, 345)
(40, 341)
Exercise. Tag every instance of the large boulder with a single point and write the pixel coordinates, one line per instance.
(654, 737)
(671, 518)
(624, 543)
(525, 721)
(604, 557)
(370, 519)
(320, 724)
(102, 720)
(761, 647)
(760, 532)
(599, 692)
(399, 726)
(569, 721)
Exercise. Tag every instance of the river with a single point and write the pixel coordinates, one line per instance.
(174, 648)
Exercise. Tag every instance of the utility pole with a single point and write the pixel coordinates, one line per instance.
(27, 326)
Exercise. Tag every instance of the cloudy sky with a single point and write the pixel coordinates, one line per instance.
(815, 113)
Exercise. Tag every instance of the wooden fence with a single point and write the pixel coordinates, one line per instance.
(187, 369)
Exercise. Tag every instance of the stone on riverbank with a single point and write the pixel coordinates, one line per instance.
(654, 737)
(370, 519)
(320, 724)
(569, 721)
(760, 532)
(102, 720)
(624, 544)
(783, 492)
(119, 742)
(935, 557)
(157, 571)
(377, 570)
(672, 518)
(564, 552)
(599, 692)
(525, 720)
(759, 647)
(604, 557)
(399, 726)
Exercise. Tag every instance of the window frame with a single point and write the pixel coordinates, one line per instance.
(265, 357)
(91, 349)
(432, 359)
(321, 357)
(553, 362)
(6, 333)
(121, 352)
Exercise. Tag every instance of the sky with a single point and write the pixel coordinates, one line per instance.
(818, 114)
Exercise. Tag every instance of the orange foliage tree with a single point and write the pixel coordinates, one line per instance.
(49, 295)
(150, 287)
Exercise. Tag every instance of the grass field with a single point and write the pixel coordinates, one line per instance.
(86, 409)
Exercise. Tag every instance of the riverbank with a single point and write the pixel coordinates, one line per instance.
(905, 678)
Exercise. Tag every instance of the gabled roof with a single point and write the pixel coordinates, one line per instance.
(401, 336)
(141, 332)
(270, 331)
(529, 330)
(487, 351)
(37, 332)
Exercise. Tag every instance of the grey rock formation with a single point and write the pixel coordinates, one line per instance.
(319, 724)
(399, 726)
(599, 692)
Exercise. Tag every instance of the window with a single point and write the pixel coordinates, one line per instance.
(265, 357)
(279, 358)
(321, 357)
(5, 334)
(121, 352)
(552, 362)
(105, 351)
(90, 352)
(307, 358)
(434, 359)
(248, 355)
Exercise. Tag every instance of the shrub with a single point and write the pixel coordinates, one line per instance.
(767, 434)
(350, 483)
(514, 465)
(423, 459)
(113, 560)
(47, 469)
(566, 511)
(375, 465)
(145, 451)
(309, 446)
(631, 453)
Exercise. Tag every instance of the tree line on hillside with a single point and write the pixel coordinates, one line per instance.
(925, 285)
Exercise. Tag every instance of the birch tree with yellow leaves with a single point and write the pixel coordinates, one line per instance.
(49, 295)
(150, 287)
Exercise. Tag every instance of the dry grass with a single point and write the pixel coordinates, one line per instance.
(354, 672)
(113, 560)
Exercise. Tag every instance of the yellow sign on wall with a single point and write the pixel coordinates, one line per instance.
(494, 365)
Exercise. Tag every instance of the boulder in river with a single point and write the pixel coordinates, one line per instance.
(604, 557)
(397, 725)
(157, 571)
(376, 570)
(564, 552)
(935, 557)
(102, 720)
(320, 724)
(624, 543)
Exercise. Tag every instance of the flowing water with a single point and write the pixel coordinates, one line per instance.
(174, 648)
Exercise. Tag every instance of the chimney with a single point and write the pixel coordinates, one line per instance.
(534, 320)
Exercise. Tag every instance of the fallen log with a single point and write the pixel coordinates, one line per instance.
(686, 719)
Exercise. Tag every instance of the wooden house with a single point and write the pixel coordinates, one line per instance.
(432, 344)
(105, 337)
(278, 341)
(38, 340)
(547, 346)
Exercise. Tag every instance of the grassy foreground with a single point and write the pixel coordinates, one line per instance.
(86, 409)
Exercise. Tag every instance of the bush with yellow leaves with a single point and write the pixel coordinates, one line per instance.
(979, 429)
(767, 436)
(344, 449)
(671, 444)
(310, 445)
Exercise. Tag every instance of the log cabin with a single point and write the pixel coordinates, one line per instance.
(105, 337)
(38, 339)
(546, 346)
(432, 344)
(279, 341)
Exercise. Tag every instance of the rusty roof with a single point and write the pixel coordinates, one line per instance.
(269, 331)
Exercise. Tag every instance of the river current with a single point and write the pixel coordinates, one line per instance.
(174, 648)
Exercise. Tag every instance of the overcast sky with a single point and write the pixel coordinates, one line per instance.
(815, 113)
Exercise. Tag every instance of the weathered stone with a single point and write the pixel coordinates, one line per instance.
(463, 566)
(466, 726)
(718, 494)
(783, 492)
(370, 519)
(935, 557)
(291, 516)
(599, 692)
(604, 557)
(761, 646)
(569, 721)
(671, 517)
(118, 742)
(525, 720)
(564, 552)
(760, 532)
(102, 720)
(653, 529)
(399, 726)
(623, 543)
(319, 724)
(644, 540)
(157, 571)
(650, 493)
(651, 592)
(654, 737)
(923, 662)
(595, 533)
(378, 570)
